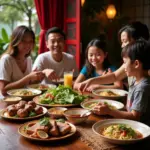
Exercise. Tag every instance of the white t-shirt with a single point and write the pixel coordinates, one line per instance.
(46, 61)
(10, 71)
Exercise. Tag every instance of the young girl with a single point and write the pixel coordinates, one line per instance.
(15, 64)
(136, 63)
(97, 64)
(126, 35)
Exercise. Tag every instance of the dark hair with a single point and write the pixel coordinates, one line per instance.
(131, 32)
(55, 30)
(141, 29)
(101, 44)
(139, 50)
(16, 37)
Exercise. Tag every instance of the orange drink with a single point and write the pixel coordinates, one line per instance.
(68, 78)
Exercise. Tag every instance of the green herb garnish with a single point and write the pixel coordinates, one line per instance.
(44, 121)
(32, 113)
(60, 120)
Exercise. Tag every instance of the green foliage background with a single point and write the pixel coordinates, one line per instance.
(16, 11)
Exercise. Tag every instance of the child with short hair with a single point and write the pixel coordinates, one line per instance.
(136, 62)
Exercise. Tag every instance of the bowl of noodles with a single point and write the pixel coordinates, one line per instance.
(112, 104)
(110, 93)
(26, 94)
(42, 87)
(121, 131)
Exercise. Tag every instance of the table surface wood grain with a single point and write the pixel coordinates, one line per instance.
(11, 140)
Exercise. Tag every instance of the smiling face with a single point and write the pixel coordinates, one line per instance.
(96, 56)
(125, 39)
(26, 44)
(55, 44)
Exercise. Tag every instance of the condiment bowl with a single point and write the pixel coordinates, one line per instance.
(12, 99)
(77, 115)
(57, 112)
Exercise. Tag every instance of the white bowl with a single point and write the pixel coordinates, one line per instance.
(27, 97)
(11, 99)
(142, 128)
(120, 93)
(77, 115)
(86, 104)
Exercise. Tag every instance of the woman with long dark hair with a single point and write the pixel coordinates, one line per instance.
(16, 63)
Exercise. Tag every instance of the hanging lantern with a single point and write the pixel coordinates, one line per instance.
(82, 2)
(111, 11)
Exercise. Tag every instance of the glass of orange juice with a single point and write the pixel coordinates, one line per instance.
(68, 78)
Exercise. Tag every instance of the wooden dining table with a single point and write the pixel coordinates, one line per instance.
(10, 139)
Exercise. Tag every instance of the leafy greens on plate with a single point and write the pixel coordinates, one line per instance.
(61, 95)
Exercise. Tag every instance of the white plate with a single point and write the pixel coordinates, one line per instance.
(142, 128)
(36, 92)
(117, 104)
(37, 86)
(121, 93)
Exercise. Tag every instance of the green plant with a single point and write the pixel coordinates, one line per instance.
(19, 9)
(35, 51)
(4, 41)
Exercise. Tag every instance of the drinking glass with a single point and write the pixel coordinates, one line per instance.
(68, 78)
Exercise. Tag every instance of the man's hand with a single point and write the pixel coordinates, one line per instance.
(50, 74)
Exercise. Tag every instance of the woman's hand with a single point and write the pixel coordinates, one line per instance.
(2, 87)
(107, 72)
(101, 109)
(84, 85)
(50, 74)
(76, 86)
(93, 87)
(36, 76)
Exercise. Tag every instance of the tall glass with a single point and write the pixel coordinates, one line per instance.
(68, 78)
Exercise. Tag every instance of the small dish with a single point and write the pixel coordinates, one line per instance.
(57, 112)
(77, 115)
(11, 100)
